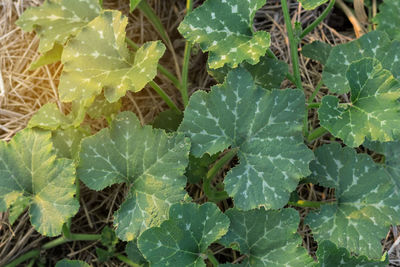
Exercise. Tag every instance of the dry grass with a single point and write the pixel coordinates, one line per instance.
(22, 92)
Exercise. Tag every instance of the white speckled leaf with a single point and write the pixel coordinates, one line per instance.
(66, 141)
(29, 169)
(184, 238)
(267, 238)
(101, 107)
(97, 58)
(366, 206)
(224, 29)
(266, 128)
(375, 44)
(374, 108)
(57, 20)
(329, 255)
(49, 57)
(311, 4)
(388, 18)
(151, 162)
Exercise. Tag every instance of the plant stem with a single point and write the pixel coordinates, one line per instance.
(318, 20)
(316, 90)
(53, 243)
(186, 59)
(164, 96)
(151, 15)
(163, 70)
(313, 105)
(211, 258)
(126, 260)
(309, 204)
(317, 133)
(293, 45)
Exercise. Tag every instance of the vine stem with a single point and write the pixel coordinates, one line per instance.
(53, 243)
(164, 96)
(317, 133)
(309, 204)
(293, 43)
(126, 260)
(318, 20)
(186, 59)
(211, 258)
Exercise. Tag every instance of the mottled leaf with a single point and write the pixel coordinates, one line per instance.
(267, 238)
(388, 18)
(168, 120)
(264, 125)
(375, 44)
(269, 73)
(151, 162)
(224, 29)
(29, 170)
(49, 57)
(184, 238)
(329, 255)
(71, 263)
(57, 20)
(366, 202)
(97, 58)
(311, 4)
(374, 108)
(101, 107)
(318, 51)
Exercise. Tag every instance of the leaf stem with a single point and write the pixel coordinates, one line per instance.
(164, 96)
(318, 20)
(163, 70)
(313, 105)
(293, 45)
(53, 243)
(186, 59)
(309, 204)
(317, 133)
(211, 258)
(316, 90)
(124, 259)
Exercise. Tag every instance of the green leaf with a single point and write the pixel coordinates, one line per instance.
(101, 107)
(29, 169)
(67, 141)
(98, 58)
(133, 4)
(374, 108)
(266, 128)
(185, 237)
(318, 51)
(168, 120)
(329, 255)
(108, 237)
(267, 238)
(151, 162)
(198, 167)
(17, 207)
(269, 73)
(103, 255)
(366, 206)
(57, 20)
(311, 4)
(49, 57)
(71, 263)
(375, 44)
(134, 253)
(388, 18)
(225, 30)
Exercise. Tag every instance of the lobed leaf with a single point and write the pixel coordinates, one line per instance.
(318, 51)
(311, 4)
(374, 108)
(67, 141)
(388, 18)
(264, 125)
(375, 44)
(184, 239)
(367, 203)
(267, 238)
(30, 174)
(134, 254)
(97, 58)
(57, 20)
(148, 160)
(224, 29)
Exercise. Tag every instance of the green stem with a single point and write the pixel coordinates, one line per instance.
(317, 133)
(126, 260)
(271, 54)
(163, 70)
(186, 59)
(164, 96)
(309, 204)
(29, 255)
(318, 20)
(293, 45)
(316, 90)
(313, 105)
(211, 258)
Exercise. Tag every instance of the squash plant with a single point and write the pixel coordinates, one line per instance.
(245, 116)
